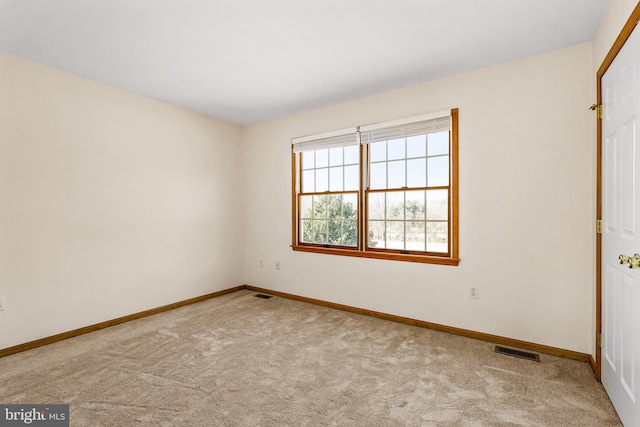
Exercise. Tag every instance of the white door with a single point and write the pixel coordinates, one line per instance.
(621, 231)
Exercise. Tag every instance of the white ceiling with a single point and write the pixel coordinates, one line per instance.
(247, 61)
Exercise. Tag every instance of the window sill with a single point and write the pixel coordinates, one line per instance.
(425, 259)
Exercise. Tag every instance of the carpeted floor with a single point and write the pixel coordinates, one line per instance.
(238, 360)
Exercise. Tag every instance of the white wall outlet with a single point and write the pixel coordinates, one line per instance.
(1, 303)
(277, 265)
(261, 264)
(474, 292)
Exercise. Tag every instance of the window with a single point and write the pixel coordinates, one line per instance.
(387, 190)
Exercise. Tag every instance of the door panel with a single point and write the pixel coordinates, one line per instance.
(621, 220)
(628, 173)
(611, 182)
(627, 352)
(608, 310)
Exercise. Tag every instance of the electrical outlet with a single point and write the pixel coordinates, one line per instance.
(1, 303)
(261, 264)
(474, 292)
(277, 265)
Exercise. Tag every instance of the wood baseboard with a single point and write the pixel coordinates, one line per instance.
(435, 326)
(92, 328)
(428, 325)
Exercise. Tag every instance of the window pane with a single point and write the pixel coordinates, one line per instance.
(322, 158)
(314, 231)
(415, 205)
(302, 227)
(306, 207)
(335, 157)
(336, 179)
(307, 159)
(341, 232)
(351, 178)
(350, 233)
(417, 146)
(308, 181)
(334, 233)
(415, 236)
(378, 151)
(396, 149)
(320, 207)
(322, 180)
(376, 205)
(417, 173)
(395, 205)
(352, 154)
(397, 174)
(438, 143)
(350, 206)
(304, 230)
(437, 237)
(438, 204)
(438, 171)
(334, 207)
(378, 176)
(376, 234)
(395, 234)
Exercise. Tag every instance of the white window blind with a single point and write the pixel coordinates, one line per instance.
(403, 128)
(340, 138)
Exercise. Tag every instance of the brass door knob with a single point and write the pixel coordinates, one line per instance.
(631, 261)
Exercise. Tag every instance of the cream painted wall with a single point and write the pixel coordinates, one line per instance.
(526, 205)
(110, 203)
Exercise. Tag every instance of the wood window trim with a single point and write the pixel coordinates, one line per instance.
(451, 259)
(426, 259)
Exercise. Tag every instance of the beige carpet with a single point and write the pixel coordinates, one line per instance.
(238, 360)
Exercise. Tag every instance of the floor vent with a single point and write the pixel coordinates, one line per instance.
(518, 353)
(263, 296)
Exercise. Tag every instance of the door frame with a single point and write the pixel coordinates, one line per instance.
(628, 28)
